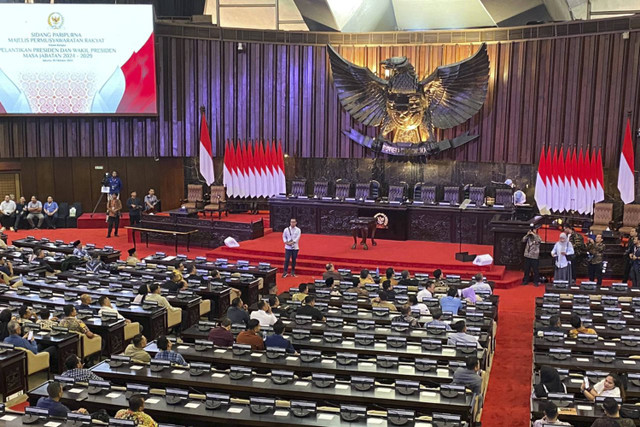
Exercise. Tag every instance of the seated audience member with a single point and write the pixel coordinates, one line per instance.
(334, 287)
(22, 210)
(6, 267)
(72, 323)
(25, 314)
(35, 211)
(405, 279)
(427, 292)
(132, 259)
(461, 336)
(549, 383)
(273, 288)
(277, 340)
(151, 202)
(550, 416)
(263, 314)
(45, 320)
(555, 325)
(192, 271)
(154, 295)
(274, 303)
(74, 369)
(136, 351)
(331, 273)
(578, 327)
(222, 336)
(436, 313)
(469, 295)
(389, 275)
(7, 213)
(50, 209)
(85, 302)
(52, 402)
(358, 288)
(143, 290)
(406, 317)
(387, 289)
(95, 264)
(175, 282)
(610, 386)
(418, 306)
(80, 251)
(365, 277)
(451, 302)
(106, 307)
(165, 352)
(39, 258)
(136, 413)
(303, 291)
(179, 268)
(382, 301)
(469, 375)
(237, 312)
(250, 336)
(14, 331)
(480, 285)
(309, 309)
(612, 413)
(437, 277)
(5, 318)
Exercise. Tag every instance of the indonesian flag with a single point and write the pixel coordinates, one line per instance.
(626, 169)
(282, 183)
(574, 180)
(581, 189)
(541, 187)
(589, 187)
(264, 185)
(274, 168)
(206, 153)
(226, 172)
(242, 177)
(269, 171)
(232, 186)
(600, 178)
(251, 168)
(562, 182)
(555, 183)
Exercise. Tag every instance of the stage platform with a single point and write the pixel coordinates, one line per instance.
(415, 256)
(99, 220)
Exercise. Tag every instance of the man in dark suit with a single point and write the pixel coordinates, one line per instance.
(135, 209)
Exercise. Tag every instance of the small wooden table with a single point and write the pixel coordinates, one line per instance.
(365, 227)
(175, 234)
(186, 213)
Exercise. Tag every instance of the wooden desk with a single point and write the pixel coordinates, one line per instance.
(13, 373)
(587, 363)
(582, 417)
(106, 255)
(175, 234)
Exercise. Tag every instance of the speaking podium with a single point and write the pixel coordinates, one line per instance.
(364, 226)
(463, 256)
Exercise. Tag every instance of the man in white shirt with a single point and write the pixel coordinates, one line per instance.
(427, 292)
(7, 212)
(106, 307)
(480, 285)
(291, 237)
(264, 315)
(461, 336)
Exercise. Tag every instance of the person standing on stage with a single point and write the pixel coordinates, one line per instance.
(115, 184)
(635, 266)
(531, 256)
(631, 245)
(114, 206)
(579, 248)
(291, 237)
(595, 250)
(561, 251)
(135, 209)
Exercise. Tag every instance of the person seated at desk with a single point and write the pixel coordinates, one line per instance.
(72, 323)
(388, 275)
(436, 313)
(175, 283)
(303, 291)
(406, 317)
(75, 369)
(5, 318)
(406, 280)
(387, 289)
(274, 303)
(611, 410)
(165, 353)
(95, 264)
(52, 402)
(331, 272)
(222, 336)
(469, 375)
(25, 314)
(132, 259)
(365, 277)
(179, 268)
(150, 202)
(136, 413)
(106, 307)
(250, 336)
(237, 312)
(45, 320)
(550, 416)
(461, 336)
(334, 287)
(550, 382)
(439, 281)
(136, 351)
(277, 340)
(451, 302)
(39, 258)
(480, 285)
(143, 291)
(309, 309)
(14, 330)
(382, 301)
(418, 306)
(6, 267)
(468, 294)
(555, 325)
(193, 275)
(263, 314)
(427, 292)
(85, 302)
(358, 288)
(579, 328)
(610, 386)
(154, 295)
(80, 251)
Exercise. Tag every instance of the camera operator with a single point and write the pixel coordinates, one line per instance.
(595, 250)
(531, 255)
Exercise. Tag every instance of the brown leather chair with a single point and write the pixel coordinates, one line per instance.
(217, 201)
(630, 218)
(602, 217)
(36, 362)
(194, 198)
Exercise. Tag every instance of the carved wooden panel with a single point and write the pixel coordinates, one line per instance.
(280, 215)
(336, 220)
(307, 218)
(426, 225)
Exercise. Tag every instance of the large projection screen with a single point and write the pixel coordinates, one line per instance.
(65, 59)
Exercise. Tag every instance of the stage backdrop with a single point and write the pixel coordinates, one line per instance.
(571, 90)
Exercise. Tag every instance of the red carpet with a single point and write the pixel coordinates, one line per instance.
(99, 220)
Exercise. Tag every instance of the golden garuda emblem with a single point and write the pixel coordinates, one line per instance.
(408, 110)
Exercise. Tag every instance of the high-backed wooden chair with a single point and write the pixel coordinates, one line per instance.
(452, 195)
(321, 188)
(217, 201)
(630, 218)
(299, 187)
(374, 189)
(195, 197)
(504, 197)
(476, 195)
(343, 188)
(602, 217)
(397, 193)
(362, 190)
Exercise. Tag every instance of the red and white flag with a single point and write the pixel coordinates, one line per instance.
(555, 183)
(581, 199)
(282, 183)
(541, 186)
(226, 171)
(206, 152)
(232, 186)
(251, 167)
(626, 181)
(600, 178)
(574, 180)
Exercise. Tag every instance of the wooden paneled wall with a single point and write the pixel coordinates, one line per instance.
(78, 180)
(571, 91)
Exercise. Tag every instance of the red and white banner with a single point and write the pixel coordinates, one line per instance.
(206, 153)
(254, 169)
(627, 165)
(571, 182)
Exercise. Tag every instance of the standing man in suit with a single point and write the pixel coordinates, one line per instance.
(114, 206)
(115, 184)
(135, 209)
(291, 237)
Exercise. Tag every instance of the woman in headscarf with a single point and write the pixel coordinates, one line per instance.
(549, 383)
(5, 318)
(560, 251)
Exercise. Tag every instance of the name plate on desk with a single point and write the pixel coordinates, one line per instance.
(350, 199)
